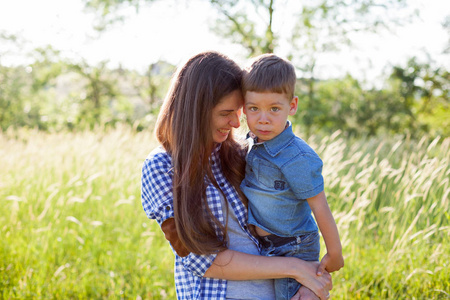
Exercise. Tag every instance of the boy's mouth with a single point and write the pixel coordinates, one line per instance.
(265, 132)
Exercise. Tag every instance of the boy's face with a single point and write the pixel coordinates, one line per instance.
(267, 113)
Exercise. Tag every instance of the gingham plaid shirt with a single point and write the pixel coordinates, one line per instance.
(157, 200)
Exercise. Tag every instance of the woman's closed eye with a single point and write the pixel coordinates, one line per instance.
(226, 113)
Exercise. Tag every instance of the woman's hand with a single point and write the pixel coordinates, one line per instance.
(306, 275)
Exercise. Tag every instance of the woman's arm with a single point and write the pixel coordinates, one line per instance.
(234, 265)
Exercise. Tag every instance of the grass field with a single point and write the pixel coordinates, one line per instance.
(72, 225)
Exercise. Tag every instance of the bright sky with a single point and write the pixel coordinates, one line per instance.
(175, 32)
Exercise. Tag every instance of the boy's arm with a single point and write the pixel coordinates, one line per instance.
(333, 260)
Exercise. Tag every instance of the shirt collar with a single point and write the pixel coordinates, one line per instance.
(216, 148)
(215, 153)
(278, 143)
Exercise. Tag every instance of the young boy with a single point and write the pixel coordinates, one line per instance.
(283, 177)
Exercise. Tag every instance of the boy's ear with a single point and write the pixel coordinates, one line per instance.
(293, 106)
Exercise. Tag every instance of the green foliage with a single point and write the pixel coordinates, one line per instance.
(236, 25)
(108, 6)
(12, 81)
(425, 95)
(332, 107)
(97, 104)
(73, 226)
(21, 103)
(26, 92)
(46, 66)
(155, 84)
(109, 12)
(53, 95)
(409, 104)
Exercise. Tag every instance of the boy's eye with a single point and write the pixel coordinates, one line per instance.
(275, 109)
(252, 108)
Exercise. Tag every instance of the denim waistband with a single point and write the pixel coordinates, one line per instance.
(275, 240)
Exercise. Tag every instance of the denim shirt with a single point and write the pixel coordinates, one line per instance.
(279, 176)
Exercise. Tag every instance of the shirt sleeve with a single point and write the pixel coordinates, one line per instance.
(157, 201)
(198, 264)
(304, 175)
(156, 189)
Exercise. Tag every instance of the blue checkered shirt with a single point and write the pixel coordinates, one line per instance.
(157, 200)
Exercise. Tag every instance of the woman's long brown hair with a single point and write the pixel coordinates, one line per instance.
(184, 129)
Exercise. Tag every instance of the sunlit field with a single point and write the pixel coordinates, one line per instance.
(72, 224)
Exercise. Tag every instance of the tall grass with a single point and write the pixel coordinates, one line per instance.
(72, 225)
(390, 199)
(71, 221)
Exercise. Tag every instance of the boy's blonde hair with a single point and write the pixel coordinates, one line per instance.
(269, 73)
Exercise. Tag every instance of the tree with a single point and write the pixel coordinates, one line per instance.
(100, 93)
(250, 22)
(318, 27)
(329, 26)
(11, 88)
(425, 94)
(19, 105)
(46, 67)
(111, 11)
(237, 25)
(156, 82)
(13, 85)
(446, 26)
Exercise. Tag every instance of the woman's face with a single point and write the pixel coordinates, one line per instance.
(225, 116)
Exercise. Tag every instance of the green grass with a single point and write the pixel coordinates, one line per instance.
(72, 225)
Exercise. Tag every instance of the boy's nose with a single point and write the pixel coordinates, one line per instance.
(263, 119)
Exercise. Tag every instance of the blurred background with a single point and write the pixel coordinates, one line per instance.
(365, 67)
(81, 84)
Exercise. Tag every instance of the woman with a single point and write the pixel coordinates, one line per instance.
(190, 185)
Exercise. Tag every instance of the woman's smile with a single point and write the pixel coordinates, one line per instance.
(224, 131)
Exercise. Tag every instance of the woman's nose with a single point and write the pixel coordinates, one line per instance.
(234, 122)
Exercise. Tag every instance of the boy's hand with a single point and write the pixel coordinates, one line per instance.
(330, 263)
(305, 294)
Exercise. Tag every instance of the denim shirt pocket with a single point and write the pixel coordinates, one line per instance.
(270, 176)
